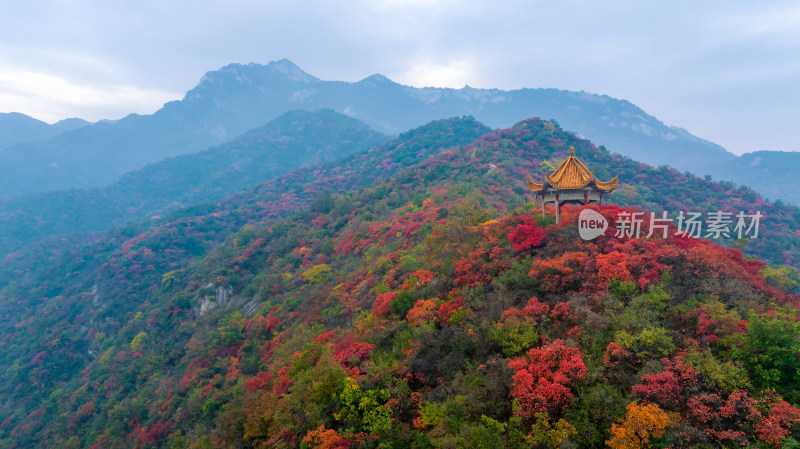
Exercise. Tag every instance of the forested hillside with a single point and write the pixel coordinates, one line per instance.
(290, 141)
(410, 296)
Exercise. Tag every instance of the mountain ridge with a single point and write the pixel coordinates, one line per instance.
(287, 142)
(405, 294)
(16, 128)
(238, 97)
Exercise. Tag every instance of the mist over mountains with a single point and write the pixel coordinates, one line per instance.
(288, 142)
(238, 97)
(18, 128)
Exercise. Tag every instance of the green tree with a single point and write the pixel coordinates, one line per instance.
(364, 410)
(771, 351)
(323, 203)
(649, 343)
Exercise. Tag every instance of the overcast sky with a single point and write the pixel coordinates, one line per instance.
(727, 71)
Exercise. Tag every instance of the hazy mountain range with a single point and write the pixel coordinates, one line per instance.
(18, 128)
(290, 141)
(236, 98)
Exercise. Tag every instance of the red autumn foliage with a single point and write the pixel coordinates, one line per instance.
(619, 363)
(526, 235)
(562, 311)
(234, 370)
(350, 353)
(80, 416)
(382, 303)
(565, 321)
(722, 419)
(711, 327)
(632, 260)
(775, 425)
(613, 265)
(667, 387)
(417, 279)
(533, 309)
(154, 434)
(273, 421)
(283, 382)
(261, 382)
(470, 272)
(560, 273)
(324, 337)
(544, 378)
(447, 310)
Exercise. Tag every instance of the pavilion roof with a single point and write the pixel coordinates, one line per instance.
(572, 174)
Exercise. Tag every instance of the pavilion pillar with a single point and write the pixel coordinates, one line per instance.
(558, 210)
(571, 178)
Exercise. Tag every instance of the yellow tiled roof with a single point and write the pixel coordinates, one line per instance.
(535, 187)
(572, 175)
(606, 186)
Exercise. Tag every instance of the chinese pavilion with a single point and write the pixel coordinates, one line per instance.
(571, 183)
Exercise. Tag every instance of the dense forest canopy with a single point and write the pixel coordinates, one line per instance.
(411, 296)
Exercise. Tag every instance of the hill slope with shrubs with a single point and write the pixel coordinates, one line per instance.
(408, 296)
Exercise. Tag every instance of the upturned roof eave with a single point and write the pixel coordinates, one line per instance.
(574, 170)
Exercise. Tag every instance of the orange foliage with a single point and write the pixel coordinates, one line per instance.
(421, 313)
(641, 425)
(614, 353)
(613, 265)
(559, 273)
(322, 438)
(417, 279)
(233, 370)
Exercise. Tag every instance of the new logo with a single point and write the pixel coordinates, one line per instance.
(591, 224)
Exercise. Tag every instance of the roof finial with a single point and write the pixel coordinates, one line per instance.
(572, 151)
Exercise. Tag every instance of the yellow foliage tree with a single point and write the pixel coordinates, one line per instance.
(547, 434)
(318, 274)
(137, 340)
(641, 425)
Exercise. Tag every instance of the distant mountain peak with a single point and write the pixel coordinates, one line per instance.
(250, 74)
(18, 128)
(238, 97)
(71, 123)
(377, 79)
(17, 115)
(291, 71)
